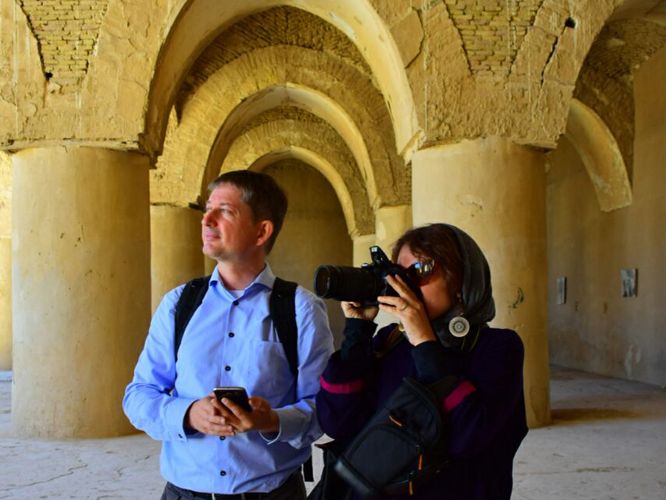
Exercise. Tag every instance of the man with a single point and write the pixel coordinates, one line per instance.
(211, 449)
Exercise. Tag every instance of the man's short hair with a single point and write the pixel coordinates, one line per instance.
(266, 199)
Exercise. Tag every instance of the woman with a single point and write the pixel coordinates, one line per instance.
(441, 340)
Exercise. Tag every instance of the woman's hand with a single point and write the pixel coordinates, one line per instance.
(409, 310)
(357, 311)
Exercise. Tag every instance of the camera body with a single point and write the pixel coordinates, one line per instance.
(362, 284)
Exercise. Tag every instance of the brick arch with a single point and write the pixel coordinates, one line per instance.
(324, 167)
(316, 144)
(333, 91)
(601, 155)
(305, 98)
(358, 20)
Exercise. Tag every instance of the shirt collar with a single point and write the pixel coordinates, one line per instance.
(265, 279)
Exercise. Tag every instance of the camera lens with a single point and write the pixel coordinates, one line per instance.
(347, 283)
(322, 281)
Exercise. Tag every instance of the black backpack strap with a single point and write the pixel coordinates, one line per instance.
(190, 299)
(283, 312)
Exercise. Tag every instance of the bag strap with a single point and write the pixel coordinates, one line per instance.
(188, 302)
(283, 312)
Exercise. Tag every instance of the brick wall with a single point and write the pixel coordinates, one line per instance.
(66, 31)
(492, 31)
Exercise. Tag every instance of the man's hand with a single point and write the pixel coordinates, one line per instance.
(262, 418)
(204, 416)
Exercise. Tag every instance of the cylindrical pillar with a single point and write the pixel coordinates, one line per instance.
(5, 262)
(495, 191)
(390, 224)
(175, 248)
(80, 287)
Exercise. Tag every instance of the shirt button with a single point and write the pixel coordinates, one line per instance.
(232, 334)
(227, 368)
(223, 473)
(222, 438)
(235, 302)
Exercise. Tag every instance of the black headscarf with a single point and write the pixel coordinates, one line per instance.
(478, 306)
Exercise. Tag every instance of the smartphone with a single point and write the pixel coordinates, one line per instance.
(235, 394)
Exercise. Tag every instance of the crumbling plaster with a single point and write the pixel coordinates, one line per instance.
(446, 83)
(519, 86)
(108, 105)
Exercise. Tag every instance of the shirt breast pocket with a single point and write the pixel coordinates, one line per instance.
(267, 371)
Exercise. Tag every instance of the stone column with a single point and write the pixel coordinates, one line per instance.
(80, 287)
(361, 248)
(5, 263)
(495, 191)
(175, 248)
(390, 224)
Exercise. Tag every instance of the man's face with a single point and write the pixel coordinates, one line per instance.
(228, 230)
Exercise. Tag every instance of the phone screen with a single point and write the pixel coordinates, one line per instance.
(235, 394)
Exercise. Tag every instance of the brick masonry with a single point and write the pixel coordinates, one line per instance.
(66, 31)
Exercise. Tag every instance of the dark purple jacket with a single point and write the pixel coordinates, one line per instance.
(484, 407)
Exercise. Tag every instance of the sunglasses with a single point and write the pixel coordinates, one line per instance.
(422, 269)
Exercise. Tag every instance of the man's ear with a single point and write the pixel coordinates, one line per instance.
(264, 232)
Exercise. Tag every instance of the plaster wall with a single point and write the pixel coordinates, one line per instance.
(80, 288)
(361, 251)
(5, 263)
(314, 231)
(597, 329)
(390, 224)
(175, 248)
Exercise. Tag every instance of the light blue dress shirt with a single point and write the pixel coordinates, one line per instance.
(230, 341)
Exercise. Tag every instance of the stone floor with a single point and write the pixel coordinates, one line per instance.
(607, 441)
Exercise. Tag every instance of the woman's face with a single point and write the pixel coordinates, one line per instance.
(435, 289)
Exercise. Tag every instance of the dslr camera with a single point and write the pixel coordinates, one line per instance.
(362, 284)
